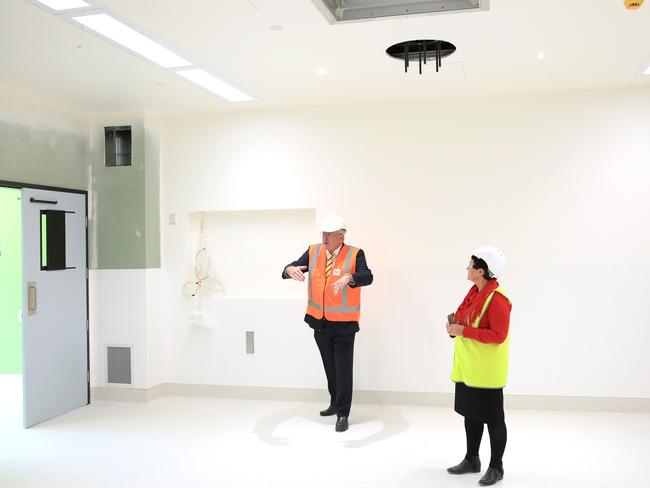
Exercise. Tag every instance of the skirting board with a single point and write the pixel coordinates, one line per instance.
(524, 402)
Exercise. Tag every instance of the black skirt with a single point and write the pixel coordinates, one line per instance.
(483, 405)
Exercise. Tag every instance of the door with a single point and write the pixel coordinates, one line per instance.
(55, 334)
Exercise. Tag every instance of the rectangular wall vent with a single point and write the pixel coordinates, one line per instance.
(349, 10)
(118, 364)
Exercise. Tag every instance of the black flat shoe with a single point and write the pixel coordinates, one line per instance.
(328, 411)
(491, 476)
(472, 465)
(341, 424)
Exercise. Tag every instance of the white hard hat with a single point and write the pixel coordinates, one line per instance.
(493, 257)
(332, 223)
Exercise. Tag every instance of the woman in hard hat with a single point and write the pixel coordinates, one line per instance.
(480, 330)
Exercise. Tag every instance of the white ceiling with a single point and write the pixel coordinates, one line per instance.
(587, 44)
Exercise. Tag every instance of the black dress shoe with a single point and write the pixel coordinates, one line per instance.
(471, 465)
(331, 410)
(341, 424)
(491, 476)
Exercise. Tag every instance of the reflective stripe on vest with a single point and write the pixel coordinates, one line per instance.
(478, 364)
(312, 266)
(344, 307)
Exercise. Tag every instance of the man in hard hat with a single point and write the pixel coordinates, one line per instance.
(336, 273)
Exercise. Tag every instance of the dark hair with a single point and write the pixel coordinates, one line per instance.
(481, 264)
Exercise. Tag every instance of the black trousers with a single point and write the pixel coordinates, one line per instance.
(337, 353)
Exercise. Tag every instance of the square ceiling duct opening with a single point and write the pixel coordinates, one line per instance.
(355, 10)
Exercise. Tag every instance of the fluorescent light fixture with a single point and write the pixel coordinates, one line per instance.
(64, 4)
(214, 84)
(647, 71)
(115, 30)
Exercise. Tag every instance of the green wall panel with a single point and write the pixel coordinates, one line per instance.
(125, 203)
(152, 199)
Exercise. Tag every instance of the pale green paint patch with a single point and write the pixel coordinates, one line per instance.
(11, 348)
(42, 155)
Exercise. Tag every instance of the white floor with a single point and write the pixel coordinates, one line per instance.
(241, 443)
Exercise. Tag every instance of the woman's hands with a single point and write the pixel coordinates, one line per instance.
(455, 330)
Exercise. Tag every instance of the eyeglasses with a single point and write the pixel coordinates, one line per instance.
(332, 234)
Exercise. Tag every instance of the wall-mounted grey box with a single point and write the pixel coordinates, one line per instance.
(117, 144)
(250, 342)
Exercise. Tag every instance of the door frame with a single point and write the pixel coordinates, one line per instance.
(20, 186)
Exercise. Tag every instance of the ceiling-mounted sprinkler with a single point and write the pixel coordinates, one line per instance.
(421, 50)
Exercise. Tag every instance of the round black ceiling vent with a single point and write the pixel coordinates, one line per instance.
(421, 51)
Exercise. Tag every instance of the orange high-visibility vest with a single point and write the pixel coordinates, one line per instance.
(344, 307)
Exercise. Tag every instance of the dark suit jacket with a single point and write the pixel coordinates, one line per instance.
(361, 277)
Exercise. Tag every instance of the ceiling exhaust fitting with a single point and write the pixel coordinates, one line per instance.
(421, 50)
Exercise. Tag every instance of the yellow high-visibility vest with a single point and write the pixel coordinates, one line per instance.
(478, 364)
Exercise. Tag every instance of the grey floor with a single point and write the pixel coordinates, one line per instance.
(249, 443)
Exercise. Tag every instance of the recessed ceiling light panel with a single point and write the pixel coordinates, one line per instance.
(100, 21)
(131, 39)
(64, 4)
(215, 85)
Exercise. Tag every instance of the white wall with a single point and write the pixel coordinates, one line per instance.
(560, 182)
(228, 235)
(125, 311)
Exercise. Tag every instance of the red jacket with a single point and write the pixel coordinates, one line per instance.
(493, 328)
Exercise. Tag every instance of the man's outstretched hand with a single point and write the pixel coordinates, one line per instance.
(296, 272)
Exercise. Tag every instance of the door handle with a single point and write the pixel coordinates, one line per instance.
(31, 298)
